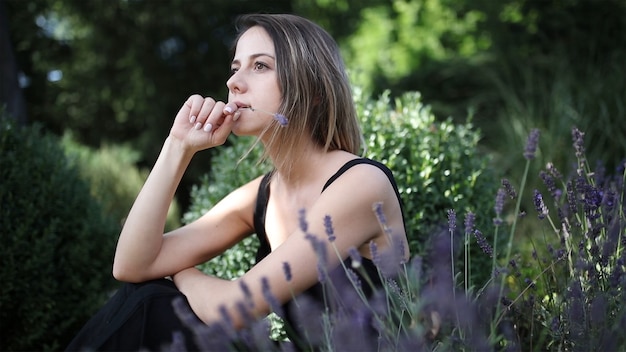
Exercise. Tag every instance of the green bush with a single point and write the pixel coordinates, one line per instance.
(56, 248)
(437, 164)
(113, 177)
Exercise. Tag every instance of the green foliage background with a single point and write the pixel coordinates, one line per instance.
(113, 177)
(126, 66)
(57, 244)
(516, 63)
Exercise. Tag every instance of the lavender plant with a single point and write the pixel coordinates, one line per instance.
(557, 284)
(570, 294)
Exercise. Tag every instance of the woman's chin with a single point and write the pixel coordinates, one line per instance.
(239, 132)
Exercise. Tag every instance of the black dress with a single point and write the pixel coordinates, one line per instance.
(138, 317)
(143, 317)
(299, 319)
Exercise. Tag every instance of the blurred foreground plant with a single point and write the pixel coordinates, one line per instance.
(566, 293)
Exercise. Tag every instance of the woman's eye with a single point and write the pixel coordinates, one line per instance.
(233, 70)
(259, 66)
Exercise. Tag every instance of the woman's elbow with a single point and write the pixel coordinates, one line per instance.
(125, 274)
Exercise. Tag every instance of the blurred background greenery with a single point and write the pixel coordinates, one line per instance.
(107, 77)
(115, 72)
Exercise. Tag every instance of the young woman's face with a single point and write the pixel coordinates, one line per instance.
(254, 81)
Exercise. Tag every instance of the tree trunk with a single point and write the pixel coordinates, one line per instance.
(11, 97)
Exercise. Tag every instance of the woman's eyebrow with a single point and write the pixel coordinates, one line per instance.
(252, 57)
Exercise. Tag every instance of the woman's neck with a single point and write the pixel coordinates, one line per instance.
(301, 170)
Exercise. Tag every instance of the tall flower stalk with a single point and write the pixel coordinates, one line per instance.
(529, 154)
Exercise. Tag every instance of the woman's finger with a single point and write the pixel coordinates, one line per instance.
(221, 133)
(195, 103)
(230, 108)
(215, 118)
(207, 107)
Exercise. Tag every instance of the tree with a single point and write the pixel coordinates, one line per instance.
(117, 71)
(11, 97)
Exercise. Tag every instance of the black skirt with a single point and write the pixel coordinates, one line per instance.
(139, 317)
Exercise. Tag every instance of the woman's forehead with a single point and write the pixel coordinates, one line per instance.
(253, 41)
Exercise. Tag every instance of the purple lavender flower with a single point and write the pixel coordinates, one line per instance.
(178, 342)
(416, 265)
(322, 256)
(354, 278)
(496, 272)
(531, 144)
(469, 222)
(560, 254)
(509, 188)
(550, 184)
(226, 318)
(378, 210)
(499, 204)
(497, 221)
(304, 225)
(282, 119)
(555, 325)
(328, 225)
(244, 312)
(399, 245)
(540, 205)
(287, 271)
(615, 277)
(355, 256)
(554, 171)
(571, 198)
(609, 199)
(321, 273)
(374, 252)
(213, 337)
(394, 288)
(269, 296)
(592, 201)
(451, 220)
(320, 250)
(246, 290)
(579, 142)
(483, 244)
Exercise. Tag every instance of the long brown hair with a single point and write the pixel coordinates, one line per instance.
(316, 93)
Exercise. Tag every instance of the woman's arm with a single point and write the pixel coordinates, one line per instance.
(143, 252)
(142, 235)
(348, 201)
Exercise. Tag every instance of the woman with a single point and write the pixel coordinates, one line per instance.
(289, 88)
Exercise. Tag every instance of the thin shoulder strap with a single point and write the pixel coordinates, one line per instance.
(379, 165)
(260, 210)
(358, 161)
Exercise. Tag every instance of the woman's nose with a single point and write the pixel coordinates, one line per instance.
(236, 83)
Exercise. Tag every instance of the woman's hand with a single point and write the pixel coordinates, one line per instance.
(203, 123)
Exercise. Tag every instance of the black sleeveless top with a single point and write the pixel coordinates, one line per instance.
(316, 293)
